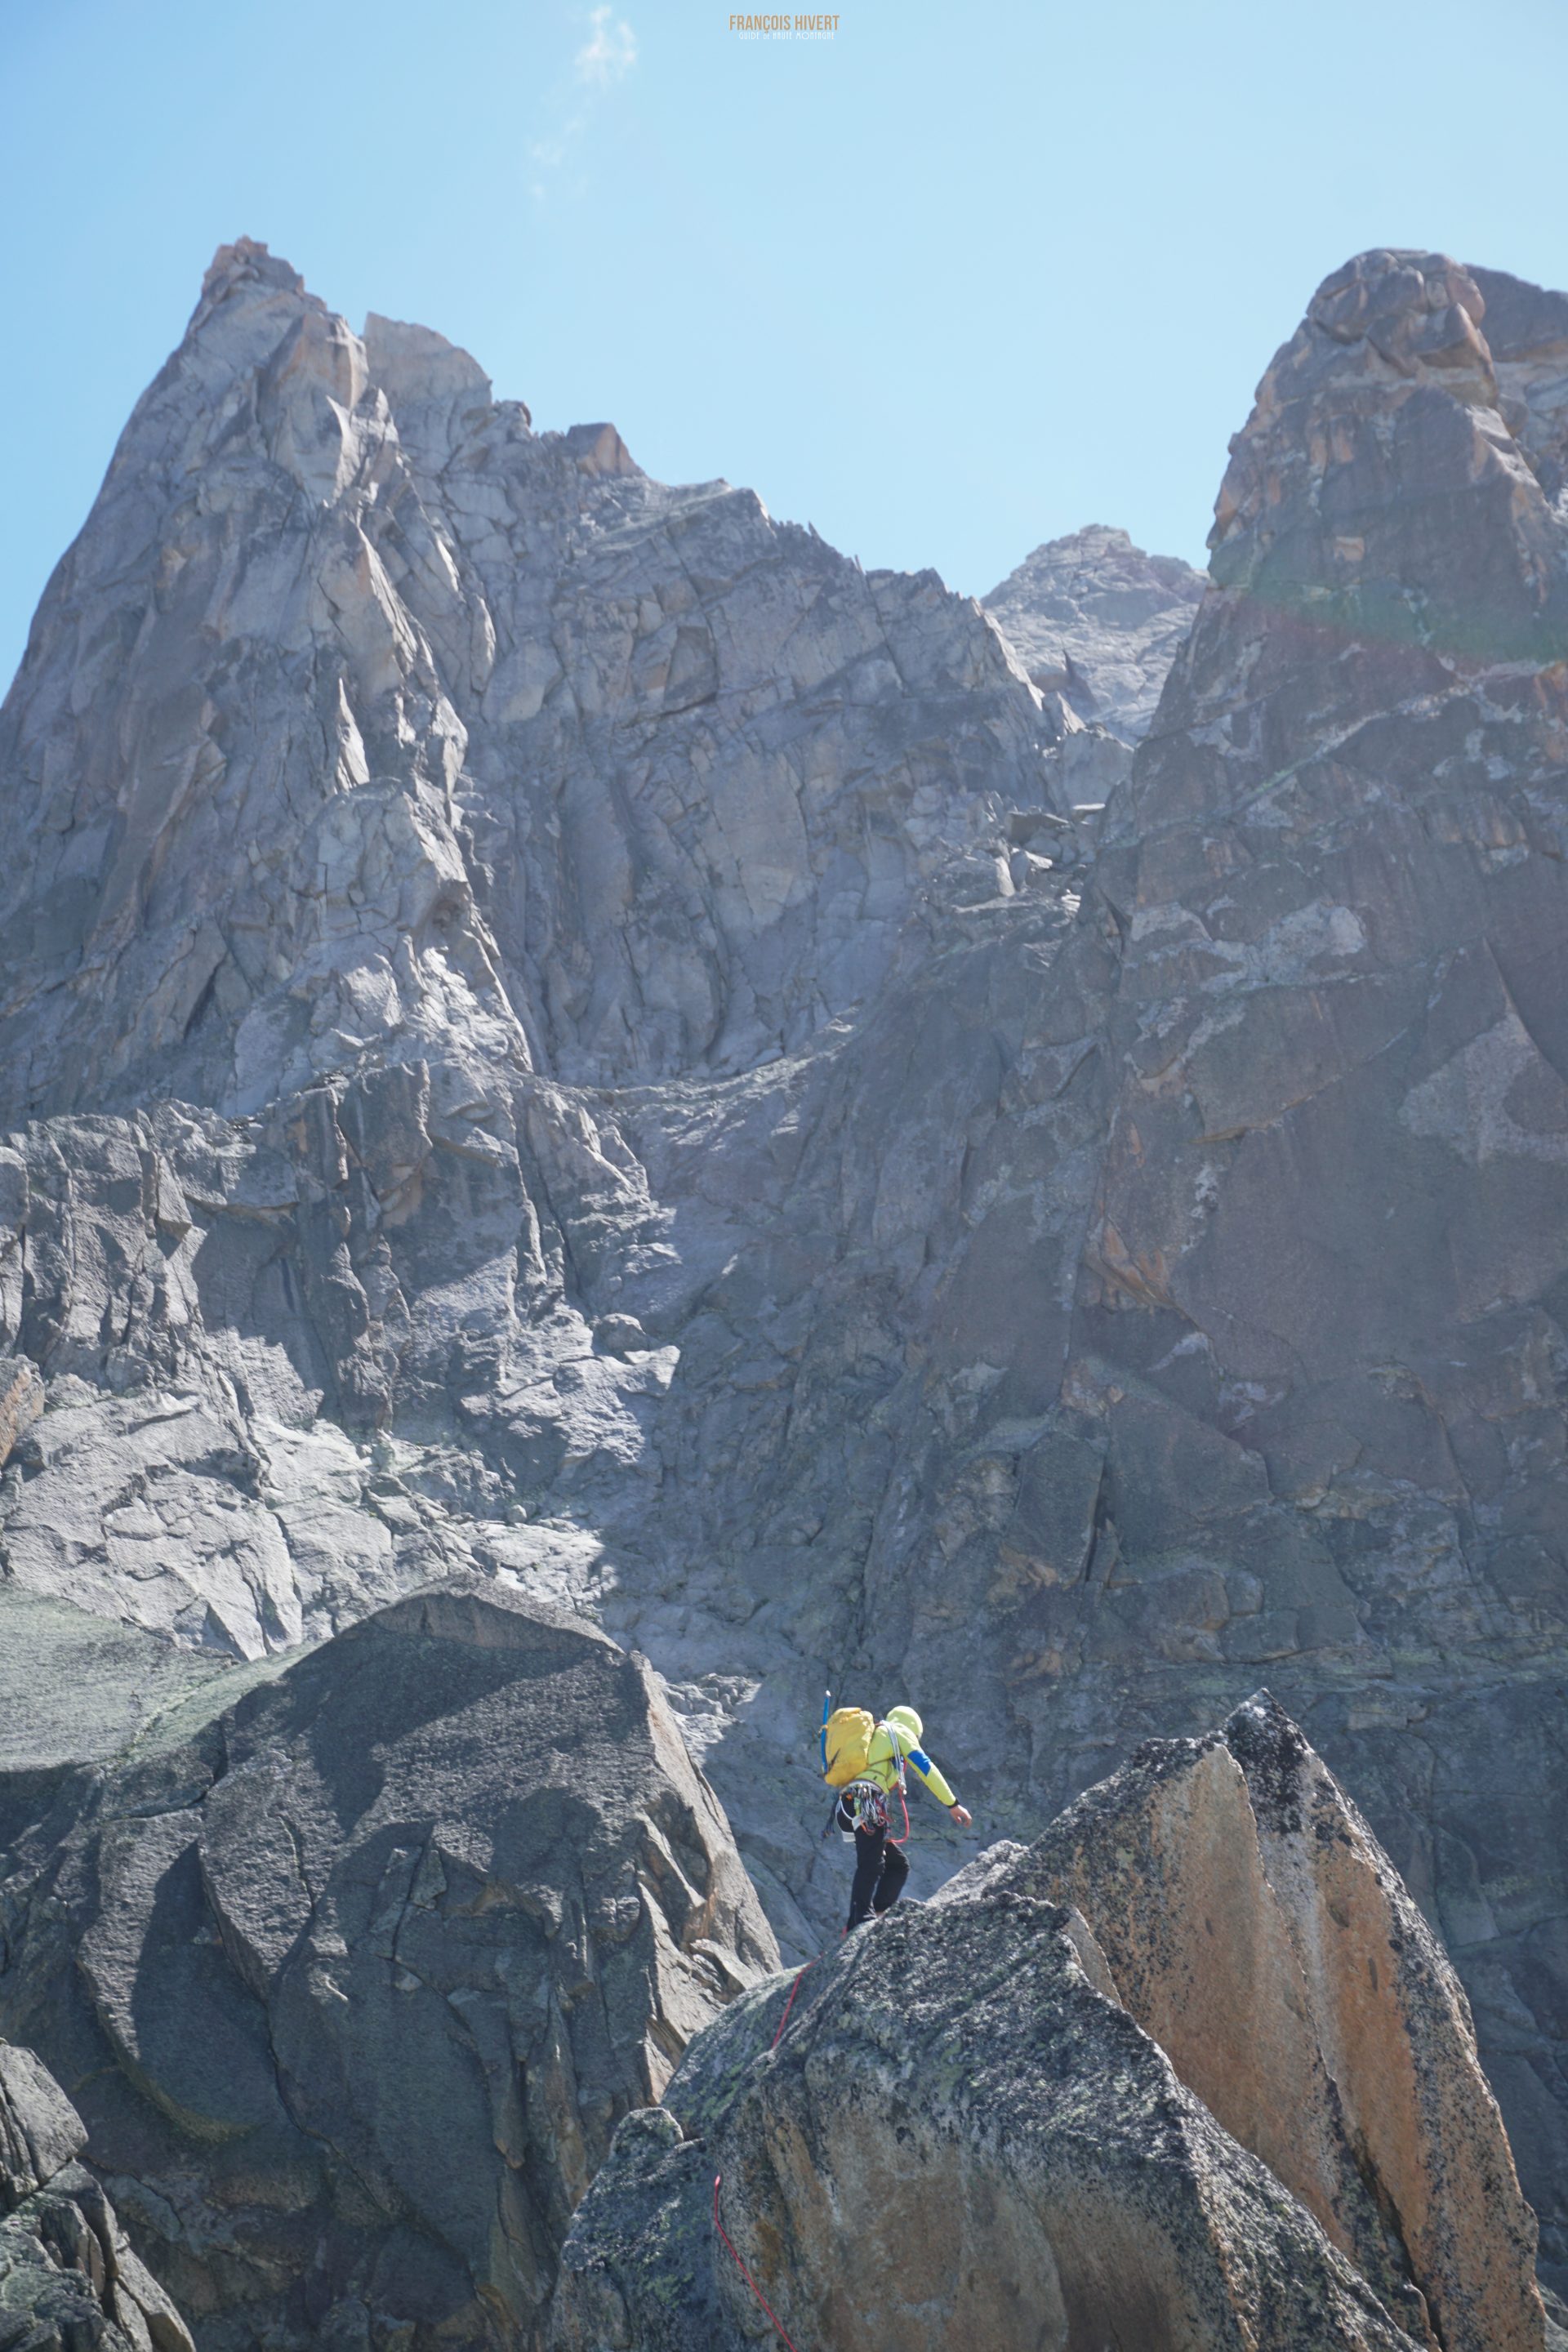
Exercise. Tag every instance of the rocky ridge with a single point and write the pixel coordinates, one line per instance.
(670, 1111)
(981, 2121)
(359, 1291)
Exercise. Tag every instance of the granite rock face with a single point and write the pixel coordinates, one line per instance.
(998, 2120)
(1253, 1926)
(70, 2280)
(1317, 1330)
(960, 2141)
(559, 1033)
(356, 1976)
(1095, 620)
(361, 716)
(383, 770)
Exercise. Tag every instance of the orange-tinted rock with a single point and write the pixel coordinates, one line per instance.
(1257, 1930)
(957, 2141)
(1191, 2072)
(1163, 1859)
(1395, 2030)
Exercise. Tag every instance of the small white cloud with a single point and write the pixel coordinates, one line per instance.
(606, 57)
(549, 154)
(610, 51)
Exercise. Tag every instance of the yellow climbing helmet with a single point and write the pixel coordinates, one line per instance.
(904, 1718)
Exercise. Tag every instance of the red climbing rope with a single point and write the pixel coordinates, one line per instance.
(740, 2266)
(789, 2004)
(905, 1839)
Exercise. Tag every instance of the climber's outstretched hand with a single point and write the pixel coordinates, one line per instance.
(962, 1816)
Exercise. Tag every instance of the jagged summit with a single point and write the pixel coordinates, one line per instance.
(249, 259)
(343, 643)
(1098, 621)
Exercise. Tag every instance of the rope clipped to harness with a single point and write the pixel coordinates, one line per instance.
(784, 2334)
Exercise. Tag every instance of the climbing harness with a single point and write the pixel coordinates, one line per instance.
(784, 2334)
(861, 1802)
(867, 1805)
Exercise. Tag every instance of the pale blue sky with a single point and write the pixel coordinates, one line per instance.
(963, 279)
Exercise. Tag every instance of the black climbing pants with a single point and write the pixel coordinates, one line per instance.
(880, 1871)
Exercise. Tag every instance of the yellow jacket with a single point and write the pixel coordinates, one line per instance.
(900, 1735)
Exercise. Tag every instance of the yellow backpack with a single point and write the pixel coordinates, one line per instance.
(847, 1737)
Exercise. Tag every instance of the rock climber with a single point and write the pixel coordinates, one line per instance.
(865, 1761)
